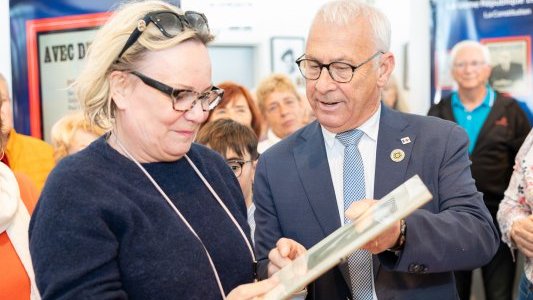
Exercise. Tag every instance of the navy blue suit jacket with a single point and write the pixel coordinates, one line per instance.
(294, 196)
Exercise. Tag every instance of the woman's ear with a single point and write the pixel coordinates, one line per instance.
(119, 88)
(386, 66)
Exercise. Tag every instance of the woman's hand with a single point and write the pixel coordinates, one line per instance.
(285, 252)
(252, 291)
(522, 235)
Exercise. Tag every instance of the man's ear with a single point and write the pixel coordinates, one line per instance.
(386, 66)
(119, 88)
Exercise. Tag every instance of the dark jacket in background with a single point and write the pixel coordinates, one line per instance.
(501, 136)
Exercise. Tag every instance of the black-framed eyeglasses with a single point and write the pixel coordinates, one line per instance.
(236, 165)
(169, 23)
(339, 71)
(183, 99)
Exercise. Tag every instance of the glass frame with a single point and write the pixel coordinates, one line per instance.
(240, 162)
(327, 66)
(175, 93)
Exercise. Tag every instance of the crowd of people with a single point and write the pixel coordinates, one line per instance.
(165, 184)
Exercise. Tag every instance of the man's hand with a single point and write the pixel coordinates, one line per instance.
(286, 251)
(386, 240)
(522, 235)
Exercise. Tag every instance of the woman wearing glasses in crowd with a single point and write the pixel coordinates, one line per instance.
(142, 213)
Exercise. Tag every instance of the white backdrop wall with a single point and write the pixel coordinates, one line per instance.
(5, 48)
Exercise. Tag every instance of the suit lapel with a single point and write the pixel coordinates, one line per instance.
(313, 169)
(393, 129)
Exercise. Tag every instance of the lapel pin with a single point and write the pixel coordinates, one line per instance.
(397, 155)
(405, 140)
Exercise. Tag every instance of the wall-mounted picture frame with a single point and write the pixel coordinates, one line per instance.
(510, 62)
(284, 52)
(56, 49)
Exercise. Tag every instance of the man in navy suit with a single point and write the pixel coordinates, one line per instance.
(298, 187)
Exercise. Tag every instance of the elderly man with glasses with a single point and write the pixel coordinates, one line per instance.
(496, 128)
(358, 150)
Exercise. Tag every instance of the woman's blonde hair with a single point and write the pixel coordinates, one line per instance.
(92, 85)
(271, 84)
(64, 130)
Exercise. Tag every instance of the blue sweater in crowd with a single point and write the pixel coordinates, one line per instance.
(102, 231)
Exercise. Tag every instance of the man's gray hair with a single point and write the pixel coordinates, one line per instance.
(342, 12)
(470, 44)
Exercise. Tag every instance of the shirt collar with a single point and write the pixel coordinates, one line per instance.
(272, 136)
(370, 128)
(487, 101)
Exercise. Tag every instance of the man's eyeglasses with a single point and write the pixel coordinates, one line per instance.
(473, 64)
(182, 99)
(236, 165)
(340, 72)
(169, 23)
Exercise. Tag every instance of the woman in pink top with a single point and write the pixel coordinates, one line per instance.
(515, 214)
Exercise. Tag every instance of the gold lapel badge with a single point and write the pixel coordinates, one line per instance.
(397, 155)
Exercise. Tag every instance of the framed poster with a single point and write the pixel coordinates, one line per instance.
(56, 50)
(284, 52)
(510, 61)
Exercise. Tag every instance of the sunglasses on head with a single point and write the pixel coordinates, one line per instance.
(169, 23)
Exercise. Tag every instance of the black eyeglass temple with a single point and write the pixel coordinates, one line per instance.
(154, 83)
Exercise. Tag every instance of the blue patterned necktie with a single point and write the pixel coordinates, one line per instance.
(360, 261)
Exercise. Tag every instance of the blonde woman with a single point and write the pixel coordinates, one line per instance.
(282, 106)
(72, 133)
(142, 212)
